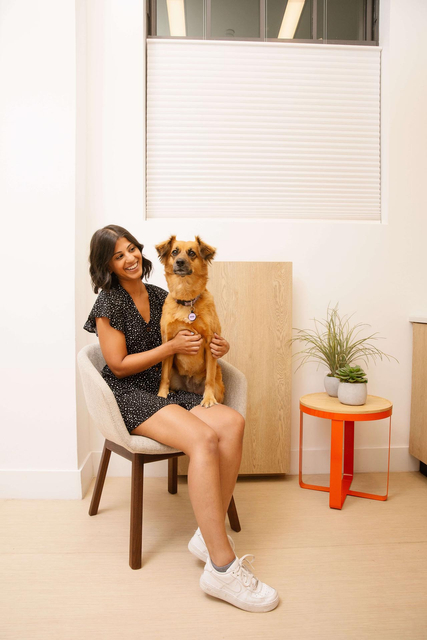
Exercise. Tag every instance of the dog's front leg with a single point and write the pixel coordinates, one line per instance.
(165, 379)
(211, 364)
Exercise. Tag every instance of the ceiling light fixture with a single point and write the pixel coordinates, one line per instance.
(291, 19)
(176, 15)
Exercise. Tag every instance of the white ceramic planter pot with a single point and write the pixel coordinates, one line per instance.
(352, 393)
(331, 386)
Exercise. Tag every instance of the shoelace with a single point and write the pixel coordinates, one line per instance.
(245, 570)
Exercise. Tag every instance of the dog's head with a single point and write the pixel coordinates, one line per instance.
(184, 258)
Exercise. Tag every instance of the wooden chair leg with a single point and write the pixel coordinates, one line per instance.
(136, 506)
(173, 475)
(100, 478)
(233, 517)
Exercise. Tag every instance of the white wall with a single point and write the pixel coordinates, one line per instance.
(375, 270)
(84, 450)
(378, 271)
(38, 455)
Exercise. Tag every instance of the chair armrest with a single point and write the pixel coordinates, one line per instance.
(236, 387)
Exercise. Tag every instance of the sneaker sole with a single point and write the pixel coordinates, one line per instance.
(228, 597)
(196, 552)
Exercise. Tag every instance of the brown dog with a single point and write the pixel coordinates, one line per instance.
(190, 306)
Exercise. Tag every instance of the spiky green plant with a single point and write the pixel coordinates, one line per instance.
(335, 343)
(351, 374)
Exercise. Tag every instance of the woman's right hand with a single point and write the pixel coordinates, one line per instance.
(187, 342)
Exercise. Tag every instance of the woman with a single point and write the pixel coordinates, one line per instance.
(126, 318)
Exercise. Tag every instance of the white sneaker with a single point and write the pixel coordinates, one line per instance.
(198, 547)
(239, 586)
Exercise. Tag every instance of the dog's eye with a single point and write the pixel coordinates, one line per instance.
(175, 252)
(191, 253)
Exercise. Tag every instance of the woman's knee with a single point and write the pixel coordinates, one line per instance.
(236, 424)
(231, 428)
(227, 423)
(205, 441)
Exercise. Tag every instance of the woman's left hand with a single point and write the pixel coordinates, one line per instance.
(219, 346)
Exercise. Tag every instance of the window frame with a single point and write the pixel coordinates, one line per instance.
(370, 25)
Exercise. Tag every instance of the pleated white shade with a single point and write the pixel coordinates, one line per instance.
(260, 129)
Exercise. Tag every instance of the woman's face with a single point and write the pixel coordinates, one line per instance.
(126, 262)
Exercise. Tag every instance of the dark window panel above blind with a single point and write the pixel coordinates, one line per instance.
(324, 21)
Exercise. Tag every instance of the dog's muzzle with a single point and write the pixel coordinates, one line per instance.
(182, 268)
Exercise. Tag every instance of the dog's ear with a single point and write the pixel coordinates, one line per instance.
(164, 249)
(207, 252)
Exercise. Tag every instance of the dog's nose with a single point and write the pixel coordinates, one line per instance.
(180, 262)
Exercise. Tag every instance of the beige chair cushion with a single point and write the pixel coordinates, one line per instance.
(105, 412)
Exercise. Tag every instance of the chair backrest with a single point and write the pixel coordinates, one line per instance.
(103, 407)
(236, 387)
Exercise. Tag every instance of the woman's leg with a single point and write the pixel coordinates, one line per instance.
(229, 426)
(180, 429)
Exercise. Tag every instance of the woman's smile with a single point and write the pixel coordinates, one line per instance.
(127, 260)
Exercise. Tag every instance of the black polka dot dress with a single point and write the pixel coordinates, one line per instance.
(136, 395)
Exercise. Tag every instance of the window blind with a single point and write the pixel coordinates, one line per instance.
(256, 129)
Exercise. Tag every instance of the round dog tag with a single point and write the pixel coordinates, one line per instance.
(192, 316)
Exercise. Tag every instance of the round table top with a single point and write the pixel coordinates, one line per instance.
(323, 402)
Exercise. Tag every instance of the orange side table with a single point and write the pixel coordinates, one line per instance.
(342, 418)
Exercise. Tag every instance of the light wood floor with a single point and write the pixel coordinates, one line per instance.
(359, 573)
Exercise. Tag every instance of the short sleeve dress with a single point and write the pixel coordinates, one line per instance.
(136, 395)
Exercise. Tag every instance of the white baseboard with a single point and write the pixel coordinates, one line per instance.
(46, 484)
(58, 484)
(369, 460)
(87, 473)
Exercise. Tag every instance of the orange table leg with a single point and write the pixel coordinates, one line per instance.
(374, 496)
(300, 448)
(301, 483)
(337, 490)
(348, 449)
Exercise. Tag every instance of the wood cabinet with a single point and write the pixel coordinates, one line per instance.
(418, 432)
(254, 305)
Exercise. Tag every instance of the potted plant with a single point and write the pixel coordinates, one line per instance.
(352, 387)
(335, 343)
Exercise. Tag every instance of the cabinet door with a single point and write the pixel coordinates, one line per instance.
(254, 305)
(418, 432)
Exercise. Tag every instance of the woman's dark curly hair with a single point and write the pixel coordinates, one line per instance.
(102, 248)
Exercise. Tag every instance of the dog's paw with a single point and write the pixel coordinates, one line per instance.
(208, 400)
(163, 392)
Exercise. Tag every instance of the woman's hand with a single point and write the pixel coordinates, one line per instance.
(187, 342)
(219, 346)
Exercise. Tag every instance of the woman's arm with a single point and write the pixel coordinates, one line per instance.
(113, 347)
